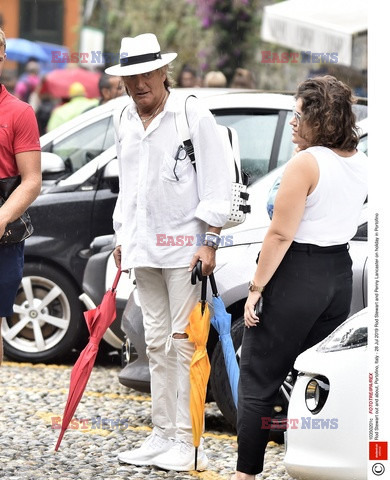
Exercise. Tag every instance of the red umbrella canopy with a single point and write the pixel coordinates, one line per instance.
(57, 82)
(98, 320)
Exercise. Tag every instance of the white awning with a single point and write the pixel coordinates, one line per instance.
(320, 26)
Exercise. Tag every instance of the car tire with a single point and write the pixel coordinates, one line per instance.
(222, 394)
(47, 317)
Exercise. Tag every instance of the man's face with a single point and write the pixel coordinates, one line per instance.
(3, 56)
(146, 89)
(115, 89)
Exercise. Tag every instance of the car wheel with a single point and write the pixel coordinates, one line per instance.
(221, 388)
(47, 321)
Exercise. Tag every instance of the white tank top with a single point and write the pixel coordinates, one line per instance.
(333, 209)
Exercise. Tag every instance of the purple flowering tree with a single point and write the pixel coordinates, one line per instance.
(235, 25)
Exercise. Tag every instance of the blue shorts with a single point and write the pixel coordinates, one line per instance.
(11, 273)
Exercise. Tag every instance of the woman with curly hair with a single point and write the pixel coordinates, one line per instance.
(304, 273)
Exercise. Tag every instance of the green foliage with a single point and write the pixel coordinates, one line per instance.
(235, 23)
(226, 40)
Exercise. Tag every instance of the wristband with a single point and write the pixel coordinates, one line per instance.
(213, 234)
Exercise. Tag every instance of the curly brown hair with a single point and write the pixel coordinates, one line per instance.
(327, 112)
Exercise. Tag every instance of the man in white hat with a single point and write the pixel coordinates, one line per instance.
(162, 214)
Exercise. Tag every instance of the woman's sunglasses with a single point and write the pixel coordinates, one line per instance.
(297, 116)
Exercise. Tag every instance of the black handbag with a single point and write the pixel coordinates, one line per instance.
(21, 228)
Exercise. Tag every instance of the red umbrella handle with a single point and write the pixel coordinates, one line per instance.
(116, 280)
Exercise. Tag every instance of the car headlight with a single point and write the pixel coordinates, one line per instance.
(352, 333)
(316, 393)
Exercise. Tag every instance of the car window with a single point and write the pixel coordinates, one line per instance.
(363, 144)
(361, 233)
(87, 143)
(286, 145)
(256, 135)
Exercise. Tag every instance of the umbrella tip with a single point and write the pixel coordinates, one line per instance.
(59, 440)
(196, 459)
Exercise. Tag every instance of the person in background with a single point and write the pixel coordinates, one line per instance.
(20, 154)
(188, 78)
(44, 106)
(304, 274)
(214, 80)
(28, 81)
(155, 175)
(110, 87)
(77, 104)
(243, 78)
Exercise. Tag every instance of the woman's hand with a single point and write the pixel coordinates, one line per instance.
(250, 318)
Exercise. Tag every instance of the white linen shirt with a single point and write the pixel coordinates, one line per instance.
(159, 220)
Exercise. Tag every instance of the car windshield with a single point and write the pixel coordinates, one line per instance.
(80, 147)
(264, 139)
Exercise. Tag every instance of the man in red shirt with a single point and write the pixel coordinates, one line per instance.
(20, 154)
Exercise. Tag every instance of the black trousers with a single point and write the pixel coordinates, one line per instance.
(307, 298)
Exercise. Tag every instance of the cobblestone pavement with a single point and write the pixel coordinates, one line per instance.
(111, 418)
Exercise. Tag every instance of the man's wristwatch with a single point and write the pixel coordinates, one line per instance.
(211, 240)
(255, 288)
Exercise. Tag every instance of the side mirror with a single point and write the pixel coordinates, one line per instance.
(111, 175)
(52, 165)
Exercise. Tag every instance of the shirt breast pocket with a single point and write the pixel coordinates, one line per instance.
(177, 171)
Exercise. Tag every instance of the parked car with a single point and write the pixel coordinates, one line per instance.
(327, 436)
(80, 175)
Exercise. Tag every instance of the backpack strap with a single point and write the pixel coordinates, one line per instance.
(117, 119)
(184, 130)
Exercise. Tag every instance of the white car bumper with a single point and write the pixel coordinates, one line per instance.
(331, 444)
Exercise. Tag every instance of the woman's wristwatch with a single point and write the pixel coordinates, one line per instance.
(255, 288)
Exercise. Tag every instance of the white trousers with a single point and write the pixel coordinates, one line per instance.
(167, 298)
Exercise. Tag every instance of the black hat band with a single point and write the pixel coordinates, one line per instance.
(148, 57)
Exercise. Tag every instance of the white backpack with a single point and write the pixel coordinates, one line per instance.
(239, 194)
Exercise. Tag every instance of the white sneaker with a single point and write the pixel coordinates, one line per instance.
(153, 446)
(181, 458)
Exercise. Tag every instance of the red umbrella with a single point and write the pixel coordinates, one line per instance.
(98, 320)
(57, 82)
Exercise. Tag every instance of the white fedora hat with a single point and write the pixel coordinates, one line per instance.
(140, 54)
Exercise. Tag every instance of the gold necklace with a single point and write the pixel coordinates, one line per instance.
(146, 120)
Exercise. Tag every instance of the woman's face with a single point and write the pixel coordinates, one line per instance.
(298, 126)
